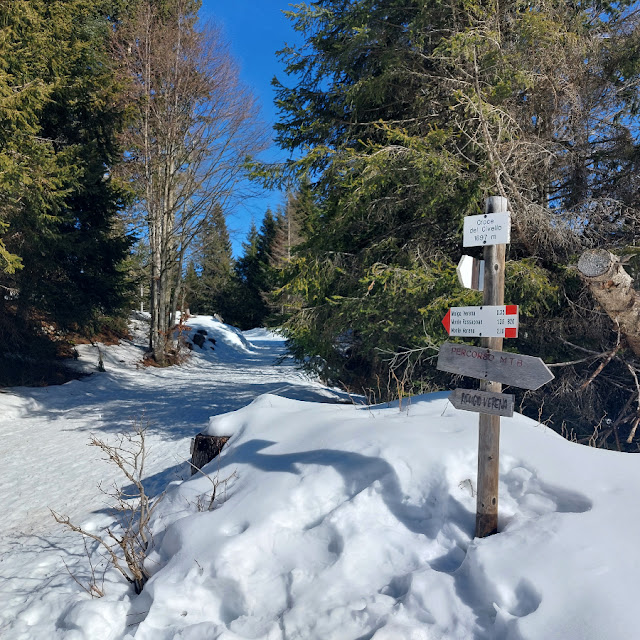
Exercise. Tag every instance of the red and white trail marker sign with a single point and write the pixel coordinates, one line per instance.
(487, 321)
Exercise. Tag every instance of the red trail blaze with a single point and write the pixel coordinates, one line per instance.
(446, 321)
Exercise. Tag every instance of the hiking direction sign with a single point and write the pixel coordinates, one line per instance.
(525, 372)
(470, 273)
(491, 322)
(488, 321)
(497, 404)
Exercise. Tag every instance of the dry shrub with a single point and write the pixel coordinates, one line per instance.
(126, 543)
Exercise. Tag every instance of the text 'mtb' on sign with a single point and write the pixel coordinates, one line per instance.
(486, 229)
(497, 404)
(488, 321)
(525, 372)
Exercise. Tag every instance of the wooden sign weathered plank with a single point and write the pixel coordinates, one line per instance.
(497, 404)
(525, 372)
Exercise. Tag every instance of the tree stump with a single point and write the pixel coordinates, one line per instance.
(198, 339)
(612, 287)
(597, 263)
(204, 449)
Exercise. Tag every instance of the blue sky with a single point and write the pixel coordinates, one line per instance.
(256, 29)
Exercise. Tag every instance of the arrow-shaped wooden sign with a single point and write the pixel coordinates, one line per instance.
(497, 404)
(525, 372)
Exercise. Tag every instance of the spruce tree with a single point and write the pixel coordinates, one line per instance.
(408, 115)
(59, 124)
(290, 225)
(209, 274)
(254, 277)
(191, 290)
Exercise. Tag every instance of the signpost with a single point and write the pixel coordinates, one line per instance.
(499, 404)
(492, 322)
(487, 229)
(497, 321)
(524, 372)
(493, 294)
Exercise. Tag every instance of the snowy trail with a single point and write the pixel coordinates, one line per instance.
(341, 521)
(47, 465)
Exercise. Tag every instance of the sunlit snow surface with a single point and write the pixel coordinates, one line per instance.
(340, 521)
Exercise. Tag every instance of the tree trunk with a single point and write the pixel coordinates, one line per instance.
(177, 293)
(612, 287)
(157, 335)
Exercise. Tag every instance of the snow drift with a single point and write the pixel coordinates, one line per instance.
(352, 522)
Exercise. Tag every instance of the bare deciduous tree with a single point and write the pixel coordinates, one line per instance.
(194, 126)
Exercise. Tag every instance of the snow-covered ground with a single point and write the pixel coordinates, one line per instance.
(340, 522)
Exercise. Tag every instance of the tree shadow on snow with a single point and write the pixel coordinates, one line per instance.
(172, 412)
(359, 472)
(436, 510)
(155, 484)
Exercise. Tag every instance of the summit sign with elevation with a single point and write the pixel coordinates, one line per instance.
(491, 322)
(487, 229)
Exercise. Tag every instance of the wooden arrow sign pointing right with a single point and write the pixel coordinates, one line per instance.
(526, 372)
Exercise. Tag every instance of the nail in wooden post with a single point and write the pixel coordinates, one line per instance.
(489, 425)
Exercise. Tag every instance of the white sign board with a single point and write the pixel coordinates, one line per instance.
(489, 321)
(486, 229)
(471, 273)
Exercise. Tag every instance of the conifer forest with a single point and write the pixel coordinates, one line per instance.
(127, 138)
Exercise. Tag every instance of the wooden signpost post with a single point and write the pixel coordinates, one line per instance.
(489, 424)
(492, 322)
